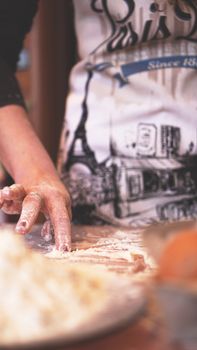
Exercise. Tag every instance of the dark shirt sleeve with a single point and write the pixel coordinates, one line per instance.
(16, 18)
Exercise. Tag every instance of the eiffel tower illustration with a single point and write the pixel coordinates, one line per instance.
(80, 151)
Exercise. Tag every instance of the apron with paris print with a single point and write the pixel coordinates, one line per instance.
(128, 152)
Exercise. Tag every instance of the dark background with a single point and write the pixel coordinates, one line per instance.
(51, 46)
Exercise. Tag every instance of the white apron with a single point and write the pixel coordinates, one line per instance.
(128, 150)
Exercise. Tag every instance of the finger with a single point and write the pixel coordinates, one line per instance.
(11, 207)
(46, 231)
(14, 192)
(11, 198)
(61, 223)
(30, 209)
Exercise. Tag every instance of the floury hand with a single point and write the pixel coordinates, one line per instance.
(53, 202)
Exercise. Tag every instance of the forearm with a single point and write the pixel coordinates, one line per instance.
(39, 187)
(21, 152)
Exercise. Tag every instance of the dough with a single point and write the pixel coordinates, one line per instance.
(41, 297)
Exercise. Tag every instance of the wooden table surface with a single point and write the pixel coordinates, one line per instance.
(116, 248)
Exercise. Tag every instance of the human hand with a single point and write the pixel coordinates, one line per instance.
(49, 197)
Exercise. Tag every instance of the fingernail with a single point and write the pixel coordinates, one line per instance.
(48, 237)
(6, 191)
(64, 248)
(21, 226)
